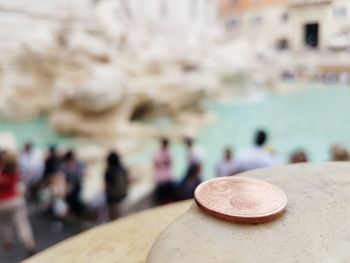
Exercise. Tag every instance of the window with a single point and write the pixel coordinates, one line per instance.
(256, 20)
(284, 17)
(311, 35)
(233, 2)
(282, 44)
(232, 23)
(255, 2)
(340, 11)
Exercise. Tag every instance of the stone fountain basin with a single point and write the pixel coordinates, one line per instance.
(314, 228)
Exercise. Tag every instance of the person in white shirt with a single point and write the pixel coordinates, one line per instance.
(257, 156)
(195, 154)
(226, 166)
(31, 163)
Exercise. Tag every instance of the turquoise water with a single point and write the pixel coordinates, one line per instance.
(312, 120)
(37, 131)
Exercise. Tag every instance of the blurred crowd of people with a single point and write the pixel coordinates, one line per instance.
(53, 185)
(167, 190)
(259, 155)
(53, 182)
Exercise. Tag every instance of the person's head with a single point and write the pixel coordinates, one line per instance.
(113, 159)
(10, 164)
(260, 138)
(52, 150)
(164, 142)
(339, 153)
(69, 156)
(28, 146)
(228, 153)
(298, 157)
(188, 142)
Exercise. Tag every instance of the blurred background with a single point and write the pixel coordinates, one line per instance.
(108, 107)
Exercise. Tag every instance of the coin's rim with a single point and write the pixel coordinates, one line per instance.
(244, 219)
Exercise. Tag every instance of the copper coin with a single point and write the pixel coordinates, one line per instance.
(241, 200)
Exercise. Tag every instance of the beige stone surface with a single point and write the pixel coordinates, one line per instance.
(127, 240)
(77, 61)
(314, 229)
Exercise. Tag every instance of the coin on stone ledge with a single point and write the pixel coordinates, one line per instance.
(241, 200)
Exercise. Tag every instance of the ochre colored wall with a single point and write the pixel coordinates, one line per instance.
(228, 7)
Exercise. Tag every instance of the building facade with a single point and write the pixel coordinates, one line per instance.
(295, 24)
(321, 24)
(262, 21)
(179, 13)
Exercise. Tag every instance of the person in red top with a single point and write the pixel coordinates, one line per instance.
(8, 182)
(13, 210)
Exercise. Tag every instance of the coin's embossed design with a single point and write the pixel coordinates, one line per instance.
(241, 199)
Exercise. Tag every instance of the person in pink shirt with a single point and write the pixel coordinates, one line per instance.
(162, 163)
